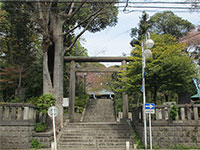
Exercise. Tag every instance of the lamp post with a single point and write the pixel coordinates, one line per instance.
(145, 54)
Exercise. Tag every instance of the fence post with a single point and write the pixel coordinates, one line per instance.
(1, 113)
(13, 113)
(26, 113)
(196, 116)
(182, 113)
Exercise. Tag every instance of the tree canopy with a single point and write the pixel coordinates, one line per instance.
(169, 68)
(161, 23)
(169, 23)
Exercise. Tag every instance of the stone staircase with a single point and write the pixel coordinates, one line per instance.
(99, 110)
(98, 131)
(95, 136)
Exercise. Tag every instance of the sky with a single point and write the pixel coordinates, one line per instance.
(114, 41)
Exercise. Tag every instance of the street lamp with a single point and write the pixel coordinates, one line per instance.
(145, 54)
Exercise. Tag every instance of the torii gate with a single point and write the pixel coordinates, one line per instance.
(73, 71)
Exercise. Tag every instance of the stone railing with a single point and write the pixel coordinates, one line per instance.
(17, 112)
(186, 112)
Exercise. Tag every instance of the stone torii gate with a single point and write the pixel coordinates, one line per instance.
(73, 71)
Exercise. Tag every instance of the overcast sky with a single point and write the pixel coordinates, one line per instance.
(114, 41)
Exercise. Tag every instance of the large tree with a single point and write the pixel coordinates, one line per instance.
(168, 23)
(57, 21)
(161, 23)
(18, 47)
(169, 68)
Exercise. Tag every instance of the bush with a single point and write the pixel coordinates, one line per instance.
(80, 102)
(36, 144)
(44, 102)
(173, 112)
(40, 127)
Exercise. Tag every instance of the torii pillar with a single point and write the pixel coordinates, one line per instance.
(124, 97)
(72, 90)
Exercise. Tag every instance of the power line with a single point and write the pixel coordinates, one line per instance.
(104, 1)
(137, 6)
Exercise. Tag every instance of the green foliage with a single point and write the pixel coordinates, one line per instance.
(40, 127)
(118, 103)
(44, 102)
(36, 144)
(138, 33)
(168, 23)
(173, 112)
(19, 46)
(169, 69)
(80, 102)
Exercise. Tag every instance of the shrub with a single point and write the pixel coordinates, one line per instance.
(44, 102)
(40, 127)
(173, 112)
(36, 144)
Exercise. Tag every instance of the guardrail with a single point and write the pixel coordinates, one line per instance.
(186, 112)
(14, 111)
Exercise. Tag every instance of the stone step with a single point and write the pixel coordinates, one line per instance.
(97, 129)
(94, 143)
(96, 125)
(99, 110)
(96, 137)
(91, 148)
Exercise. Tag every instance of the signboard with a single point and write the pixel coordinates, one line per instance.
(149, 108)
(65, 102)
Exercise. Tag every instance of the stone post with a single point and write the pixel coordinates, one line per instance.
(196, 116)
(183, 113)
(1, 113)
(124, 98)
(19, 114)
(30, 114)
(7, 113)
(13, 113)
(72, 91)
(189, 116)
(26, 113)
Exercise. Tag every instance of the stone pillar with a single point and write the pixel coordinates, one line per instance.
(196, 116)
(124, 98)
(19, 113)
(189, 116)
(13, 113)
(72, 91)
(7, 113)
(26, 113)
(182, 113)
(31, 117)
(1, 113)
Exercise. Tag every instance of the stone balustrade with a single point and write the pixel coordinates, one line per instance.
(186, 112)
(17, 112)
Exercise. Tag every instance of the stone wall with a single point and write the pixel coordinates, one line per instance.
(45, 138)
(17, 123)
(166, 135)
(16, 135)
(168, 131)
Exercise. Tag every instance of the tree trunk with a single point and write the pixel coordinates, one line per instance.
(47, 84)
(58, 66)
(53, 56)
(155, 95)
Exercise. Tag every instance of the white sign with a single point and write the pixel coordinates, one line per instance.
(53, 111)
(65, 102)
